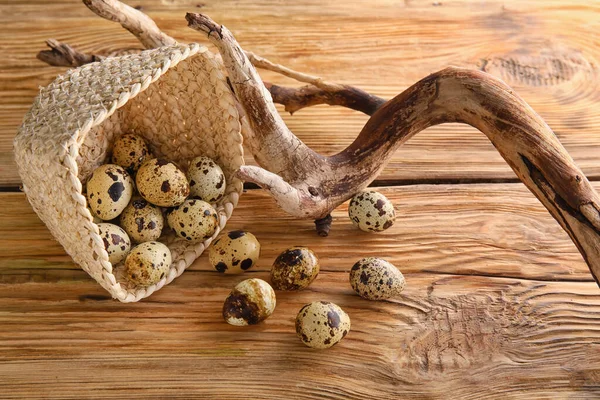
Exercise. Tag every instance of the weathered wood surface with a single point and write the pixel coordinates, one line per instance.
(545, 50)
(498, 304)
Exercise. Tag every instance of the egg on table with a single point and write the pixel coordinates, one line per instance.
(207, 180)
(162, 183)
(116, 241)
(193, 220)
(322, 324)
(142, 221)
(109, 190)
(130, 151)
(147, 263)
(250, 302)
(294, 269)
(234, 252)
(371, 211)
(376, 279)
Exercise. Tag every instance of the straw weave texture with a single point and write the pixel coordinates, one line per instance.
(176, 97)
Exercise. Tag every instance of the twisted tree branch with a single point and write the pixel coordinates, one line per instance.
(452, 95)
(135, 21)
(63, 55)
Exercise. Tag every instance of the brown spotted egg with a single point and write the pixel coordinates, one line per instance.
(130, 151)
(116, 242)
(193, 220)
(109, 190)
(207, 180)
(142, 221)
(294, 269)
(162, 183)
(234, 252)
(147, 263)
(250, 302)
(371, 211)
(376, 279)
(321, 324)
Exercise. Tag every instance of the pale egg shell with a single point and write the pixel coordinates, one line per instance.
(142, 221)
(234, 252)
(162, 183)
(294, 269)
(207, 180)
(321, 324)
(116, 242)
(250, 302)
(371, 211)
(376, 279)
(130, 152)
(147, 263)
(109, 190)
(193, 220)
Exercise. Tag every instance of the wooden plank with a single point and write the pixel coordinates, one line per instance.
(498, 305)
(545, 50)
(483, 229)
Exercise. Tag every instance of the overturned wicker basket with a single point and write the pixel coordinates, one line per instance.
(176, 97)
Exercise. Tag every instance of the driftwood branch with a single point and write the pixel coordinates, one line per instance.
(63, 55)
(309, 95)
(135, 21)
(315, 185)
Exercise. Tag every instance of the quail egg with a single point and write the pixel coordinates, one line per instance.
(147, 263)
(193, 220)
(250, 302)
(162, 183)
(294, 269)
(371, 211)
(130, 151)
(116, 242)
(207, 180)
(235, 252)
(321, 324)
(109, 190)
(376, 279)
(142, 221)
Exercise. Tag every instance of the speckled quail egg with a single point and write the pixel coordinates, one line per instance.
(162, 183)
(371, 211)
(321, 324)
(234, 252)
(116, 242)
(250, 302)
(109, 190)
(294, 269)
(147, 263)
(142, 221)
(207, 180)
(130, 151)
(194, 220)
(376, 279)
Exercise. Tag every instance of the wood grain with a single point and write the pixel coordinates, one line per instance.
(544, 50)
(494, 289)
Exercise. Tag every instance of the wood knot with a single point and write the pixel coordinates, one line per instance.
(551, 66)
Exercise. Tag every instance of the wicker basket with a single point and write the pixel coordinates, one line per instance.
(176, 97)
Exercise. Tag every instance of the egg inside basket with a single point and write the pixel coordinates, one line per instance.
(175, 97)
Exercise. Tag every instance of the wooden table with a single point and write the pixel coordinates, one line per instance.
(499, 303)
